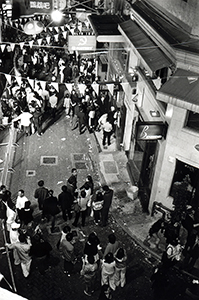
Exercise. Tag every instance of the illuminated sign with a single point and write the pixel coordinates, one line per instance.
(150, 130)
(40, 5)
(81, 43)
(30, 7)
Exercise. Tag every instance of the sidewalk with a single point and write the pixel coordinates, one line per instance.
(127, 211)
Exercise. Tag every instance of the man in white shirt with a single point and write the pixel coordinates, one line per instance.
(25, 121)
(107, 132)
(20, 203)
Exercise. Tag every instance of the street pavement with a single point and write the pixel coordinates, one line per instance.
(51, 158)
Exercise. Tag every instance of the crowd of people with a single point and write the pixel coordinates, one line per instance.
(28, 106)
(182, 245)
(26, 239)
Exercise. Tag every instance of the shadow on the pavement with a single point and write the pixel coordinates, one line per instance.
(49, 120)
(134, 272)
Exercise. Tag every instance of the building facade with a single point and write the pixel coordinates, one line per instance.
(157, 64)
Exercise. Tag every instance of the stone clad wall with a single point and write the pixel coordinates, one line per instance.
(183, 12)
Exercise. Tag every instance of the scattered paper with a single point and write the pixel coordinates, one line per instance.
(59, 182)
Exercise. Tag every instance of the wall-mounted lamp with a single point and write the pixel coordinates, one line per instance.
(154, 113)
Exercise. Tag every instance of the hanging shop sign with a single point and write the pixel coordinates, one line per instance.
(148, 131)
(81, 43)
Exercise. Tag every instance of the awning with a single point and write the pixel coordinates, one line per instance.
(106, 28)
(182, 90)
(148, 50)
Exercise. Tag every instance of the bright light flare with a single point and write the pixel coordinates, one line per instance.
(56, 16)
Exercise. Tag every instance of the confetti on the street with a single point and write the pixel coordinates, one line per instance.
(63, 139)
(59, 182)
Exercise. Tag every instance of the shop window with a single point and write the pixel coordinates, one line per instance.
(192, 120)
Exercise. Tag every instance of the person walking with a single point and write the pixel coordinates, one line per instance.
(88, 271)
(22, 248)
(65, 200)
(120, 267)
(67, 251)
(40, 194)
(108, 196)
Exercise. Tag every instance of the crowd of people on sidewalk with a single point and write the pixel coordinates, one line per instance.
(27, 241)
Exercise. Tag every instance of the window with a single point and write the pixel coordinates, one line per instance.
(192, 120)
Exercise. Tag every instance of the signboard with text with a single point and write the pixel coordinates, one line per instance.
(151, 130)
(30, 7)
(81, 43)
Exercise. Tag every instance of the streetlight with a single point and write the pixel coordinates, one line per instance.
(56, 16)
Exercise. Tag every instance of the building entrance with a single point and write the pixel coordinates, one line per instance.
(186, 177)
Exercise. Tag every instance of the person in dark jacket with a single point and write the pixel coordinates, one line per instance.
(26, 213)
(65, 200)
(51, 208)
(40, 251)
(40, 194)
(92, 246)
(108, 196)
(72, 181)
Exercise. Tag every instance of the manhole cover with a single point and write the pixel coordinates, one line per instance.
(30, 173)
(80, 165)
(110, 167)
(78, 156)
(49, 160)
